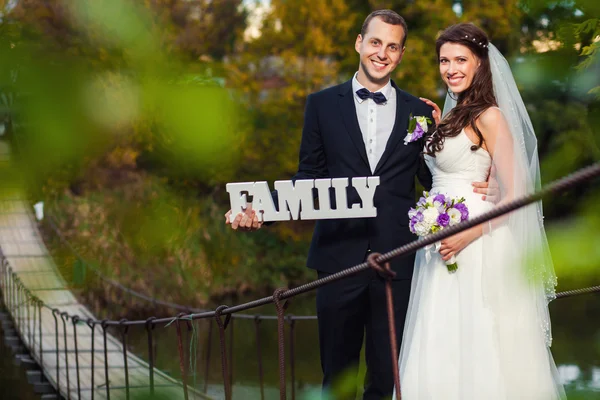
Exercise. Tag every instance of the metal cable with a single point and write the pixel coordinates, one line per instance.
(576, 292)
(93, 328)
(388, 275)
(75, 320)
(292, 323)
(27, 303)
(181, 356)
(280, 339)
(64, 316)
(39, 307)
(32, 301)
(54, 312)
(222, 325)
(124, 330)
(104, 325)
(150, 329)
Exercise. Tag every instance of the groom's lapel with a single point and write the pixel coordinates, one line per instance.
(348, 111)
(400, 128)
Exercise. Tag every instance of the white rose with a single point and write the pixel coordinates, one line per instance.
(421, 228)
(423, 122)
(454, 215)
(430, 216)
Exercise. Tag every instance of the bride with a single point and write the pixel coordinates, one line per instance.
(482, 332)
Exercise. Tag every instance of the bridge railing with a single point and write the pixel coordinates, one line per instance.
(20, 299)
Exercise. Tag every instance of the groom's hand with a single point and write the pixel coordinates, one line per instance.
(246, 221)
(489, 190)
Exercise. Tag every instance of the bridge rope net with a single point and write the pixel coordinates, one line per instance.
(80, 359)
(25, 302)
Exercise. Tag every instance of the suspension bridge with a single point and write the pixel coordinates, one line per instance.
(82, 357)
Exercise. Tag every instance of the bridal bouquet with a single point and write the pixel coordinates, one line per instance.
(433, 213)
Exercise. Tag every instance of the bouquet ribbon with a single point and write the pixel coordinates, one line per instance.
(435, 248)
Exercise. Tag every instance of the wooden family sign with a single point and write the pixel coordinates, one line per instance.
(296, 199)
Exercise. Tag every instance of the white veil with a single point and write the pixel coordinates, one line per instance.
(484, 333)
(519, 280)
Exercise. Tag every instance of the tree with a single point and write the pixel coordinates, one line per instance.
(557, 75)
(300, 50)
(145, 63)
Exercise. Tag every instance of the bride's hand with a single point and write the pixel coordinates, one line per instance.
(454, 244)
(437, 113)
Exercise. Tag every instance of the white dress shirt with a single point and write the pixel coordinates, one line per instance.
(376, 121)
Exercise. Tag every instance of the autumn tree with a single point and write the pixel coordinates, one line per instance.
(301, 49)
(128, 74)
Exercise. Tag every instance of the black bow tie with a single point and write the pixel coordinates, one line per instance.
(377, 97)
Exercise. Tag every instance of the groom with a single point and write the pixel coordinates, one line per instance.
(358, 129)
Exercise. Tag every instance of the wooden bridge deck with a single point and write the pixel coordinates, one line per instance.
(27, 256)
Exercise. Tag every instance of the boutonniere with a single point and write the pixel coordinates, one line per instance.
(417, 126)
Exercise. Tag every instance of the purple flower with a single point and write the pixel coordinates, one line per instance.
(464, 211)
(441, 198)
(443, 219)
(421, 202)
(419, 216)
(417, 133)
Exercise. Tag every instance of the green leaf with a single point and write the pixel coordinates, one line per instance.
(412, 123)
(595, 91)
(587, 50)
(587, 27)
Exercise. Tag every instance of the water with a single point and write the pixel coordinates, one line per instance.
(245, 365)
(576, 349)
(13, 380)
(576, 345)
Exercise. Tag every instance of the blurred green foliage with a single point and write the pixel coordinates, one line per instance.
(160, 242)
(130, 118)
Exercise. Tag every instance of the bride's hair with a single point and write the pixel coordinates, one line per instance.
(474, 100)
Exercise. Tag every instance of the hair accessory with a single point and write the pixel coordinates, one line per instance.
(482, 44)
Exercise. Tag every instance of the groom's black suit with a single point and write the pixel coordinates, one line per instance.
(332, 146)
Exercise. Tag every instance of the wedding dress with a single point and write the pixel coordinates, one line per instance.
(464, 340)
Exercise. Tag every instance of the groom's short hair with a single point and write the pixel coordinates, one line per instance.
(389, 17)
